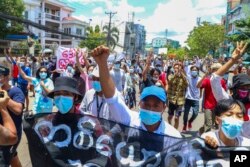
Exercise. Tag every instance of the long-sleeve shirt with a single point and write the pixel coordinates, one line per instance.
(177, 90)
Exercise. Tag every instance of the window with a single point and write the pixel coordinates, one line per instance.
(79, 31)
(67, 30)
(26, 14)
(46, 10)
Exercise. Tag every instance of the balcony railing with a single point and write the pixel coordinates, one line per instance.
(51, 35)
(52, 17)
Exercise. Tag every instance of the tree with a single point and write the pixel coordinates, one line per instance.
(114, 36)
(94, 38)
(242, 32)
(13, 8)
(179, 52)
(205, 38)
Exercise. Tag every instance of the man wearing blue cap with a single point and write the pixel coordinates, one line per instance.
(152, 101)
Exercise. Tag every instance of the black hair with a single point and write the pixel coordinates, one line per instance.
(226, 105)
(38, 71)
(192, 67)
(153, 70)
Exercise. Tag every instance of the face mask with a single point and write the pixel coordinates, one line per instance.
(43, 75)
(159, 68)
(225, 76)
(21, 64)
(194, 73)
(242, 93)
(97, 86)
(155, 78)
(64, 103)
(117, 66)
(131, 70)
(231, 127)
(149, 117)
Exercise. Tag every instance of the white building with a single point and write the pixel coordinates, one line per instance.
(56, 15)
(159, 42)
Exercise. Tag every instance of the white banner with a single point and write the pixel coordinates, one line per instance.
(67, 56)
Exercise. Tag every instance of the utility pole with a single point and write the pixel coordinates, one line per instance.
(111, 14)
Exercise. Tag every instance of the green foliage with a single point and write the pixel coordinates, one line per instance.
(242, 32)
(205, 38)
(114, 36)
(94, 38)
(179, 52)
(13, 8)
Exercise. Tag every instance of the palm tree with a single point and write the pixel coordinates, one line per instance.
(114, 36)
(94, 38)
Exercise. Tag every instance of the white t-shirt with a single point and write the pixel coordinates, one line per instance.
(89, 106)
(131, 118)
(118, 77)
(242, 141)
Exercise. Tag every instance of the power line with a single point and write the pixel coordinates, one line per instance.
(111, 14)
(39, 26)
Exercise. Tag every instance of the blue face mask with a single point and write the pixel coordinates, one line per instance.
(43, 75)
(97, 86)
(63, 103)
(116, 66)
(225, 76)
(150, 117)
(194, 73)
(231, 127)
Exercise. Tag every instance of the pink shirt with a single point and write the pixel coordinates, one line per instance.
(88, 81)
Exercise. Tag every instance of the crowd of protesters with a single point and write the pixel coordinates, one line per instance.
(110, 90)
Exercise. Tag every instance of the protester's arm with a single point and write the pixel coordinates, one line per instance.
(145, 70)
(218, 91)
(8, 56)
(7, 129)
(15, 107)
(199, 83)
(22, 73)
(48, 89)
(78, 64)
(100, 54)
(238, 52)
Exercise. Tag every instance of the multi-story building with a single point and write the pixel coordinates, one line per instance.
(133, 38)
(235, 11)
(56, 15)
(160, 42)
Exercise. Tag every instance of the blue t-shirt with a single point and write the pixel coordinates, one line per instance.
(27, 71)
(42, 103)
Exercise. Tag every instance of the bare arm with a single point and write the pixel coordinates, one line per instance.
(26, 77)
(15, 107)
(148, 63)
(78, 62)
(238, 52)
(7, 129)
(100, 54)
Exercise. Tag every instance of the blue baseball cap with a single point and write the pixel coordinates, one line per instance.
(154, 91)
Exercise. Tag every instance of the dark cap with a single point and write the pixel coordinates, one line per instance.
(67, 84)
(240, 80)
(4, 70)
